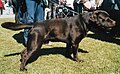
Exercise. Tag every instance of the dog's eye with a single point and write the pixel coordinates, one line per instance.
(100, 18)
(108, 20)
(103, 20)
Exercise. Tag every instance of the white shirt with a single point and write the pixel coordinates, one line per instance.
(93, 3)
(90, 4)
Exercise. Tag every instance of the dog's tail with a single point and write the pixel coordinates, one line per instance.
(16, 26)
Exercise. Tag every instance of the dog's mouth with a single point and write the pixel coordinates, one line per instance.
(108, 26)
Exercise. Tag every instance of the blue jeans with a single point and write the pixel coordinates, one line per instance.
(35, 12)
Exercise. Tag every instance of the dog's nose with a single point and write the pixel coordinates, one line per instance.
(114, 22)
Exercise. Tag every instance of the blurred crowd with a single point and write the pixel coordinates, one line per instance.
(67, 7)
(6, 7)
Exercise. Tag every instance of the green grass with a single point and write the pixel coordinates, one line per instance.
(103, 55)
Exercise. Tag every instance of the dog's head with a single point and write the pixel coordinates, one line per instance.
(102, 19)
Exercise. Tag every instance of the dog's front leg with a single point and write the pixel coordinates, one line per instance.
(68, 50)
(25, 55)
(75, 52)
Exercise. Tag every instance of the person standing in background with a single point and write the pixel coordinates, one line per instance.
(98, 3)
(13, 5)
(30, 11)
(34, 13)
(52, 7)
(69, 5)
(84, 5)
(1, 7)
(77, 6)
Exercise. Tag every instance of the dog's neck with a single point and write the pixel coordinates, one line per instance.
(89, 19)
(86, 17)
(84, 23)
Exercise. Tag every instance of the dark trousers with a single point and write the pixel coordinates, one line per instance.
(77, 7)
(1, 11)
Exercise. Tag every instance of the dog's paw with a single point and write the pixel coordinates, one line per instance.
(77, 60)
(22, 68)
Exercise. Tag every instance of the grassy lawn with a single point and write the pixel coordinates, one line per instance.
(101, 55)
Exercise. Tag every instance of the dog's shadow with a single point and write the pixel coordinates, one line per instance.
(98, 34)
(19, 37)
(45, 51)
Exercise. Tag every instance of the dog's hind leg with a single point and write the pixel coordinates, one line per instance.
(35, 41)
(22, 60)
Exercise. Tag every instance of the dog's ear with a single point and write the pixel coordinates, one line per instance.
(101, 11)
(94, 14)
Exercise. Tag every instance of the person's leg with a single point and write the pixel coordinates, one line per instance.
(30, 5)
(0, 11)
(78, 8)
(29, 17)
(39, 14)
(50, 16)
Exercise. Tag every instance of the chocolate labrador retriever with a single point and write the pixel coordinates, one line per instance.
(70, 30)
